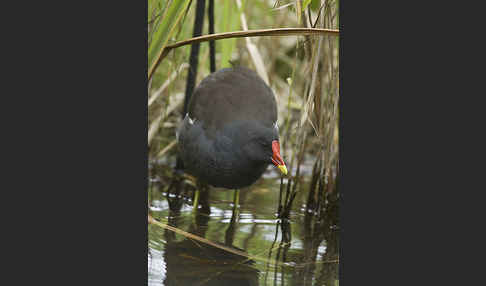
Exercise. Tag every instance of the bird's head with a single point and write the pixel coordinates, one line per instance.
(263, 146)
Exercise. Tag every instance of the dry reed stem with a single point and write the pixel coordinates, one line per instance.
(154, 127)
(283, 6)
(155, 124)
(157, 93)
(309, 105)
(167, 148)
(151, 220)
(252, 49)
(241, 34)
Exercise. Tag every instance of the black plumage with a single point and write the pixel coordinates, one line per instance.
(227, 138)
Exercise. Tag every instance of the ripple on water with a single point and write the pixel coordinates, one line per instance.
(158, 205)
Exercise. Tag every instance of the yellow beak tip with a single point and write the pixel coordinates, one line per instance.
(283, 169)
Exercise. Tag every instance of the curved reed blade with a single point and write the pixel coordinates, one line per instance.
(242, 34)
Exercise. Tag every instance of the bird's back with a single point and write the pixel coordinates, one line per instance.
(230, 95)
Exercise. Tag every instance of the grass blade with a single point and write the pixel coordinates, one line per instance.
(165, 30)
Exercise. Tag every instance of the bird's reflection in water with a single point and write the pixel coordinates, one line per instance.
(190, 262)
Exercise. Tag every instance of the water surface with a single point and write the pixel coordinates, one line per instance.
(298, 251)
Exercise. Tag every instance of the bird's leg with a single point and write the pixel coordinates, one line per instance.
(200, 186)
(237, 197)
(230, 231)
(236, 202)
(196, 199)
(280, 198)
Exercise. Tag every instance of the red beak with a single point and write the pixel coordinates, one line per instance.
(276, 158)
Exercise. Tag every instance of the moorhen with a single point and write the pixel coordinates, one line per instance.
(230, 135)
